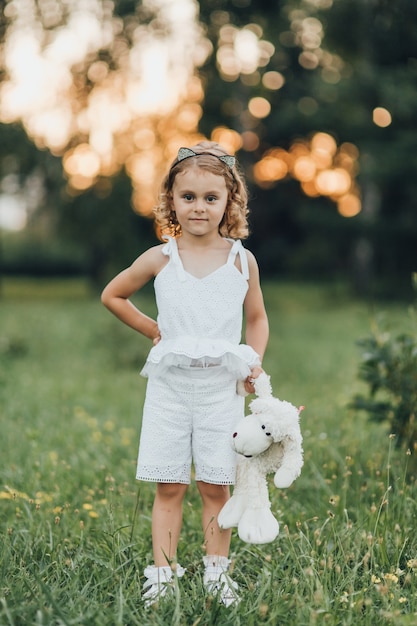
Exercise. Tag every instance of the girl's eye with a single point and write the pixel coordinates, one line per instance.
(188, 196)
(211, 198)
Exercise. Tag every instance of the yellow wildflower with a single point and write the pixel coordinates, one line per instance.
(6, 495)
(391, 578)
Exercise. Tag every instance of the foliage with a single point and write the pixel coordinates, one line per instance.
(34, 254)
(109, 233)
(75, 529)
(372, 64)
(389, 368)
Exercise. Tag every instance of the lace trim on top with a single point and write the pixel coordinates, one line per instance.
(184, 351)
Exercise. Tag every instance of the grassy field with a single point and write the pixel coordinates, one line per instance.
(75, 526)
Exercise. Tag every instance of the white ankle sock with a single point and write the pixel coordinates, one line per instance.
(162, 574)
(215, 566)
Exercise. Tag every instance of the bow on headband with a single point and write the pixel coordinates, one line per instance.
(186, 153)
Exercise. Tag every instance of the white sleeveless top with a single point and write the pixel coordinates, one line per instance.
(200, 319)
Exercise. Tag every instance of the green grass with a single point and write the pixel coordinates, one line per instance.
(75, 527)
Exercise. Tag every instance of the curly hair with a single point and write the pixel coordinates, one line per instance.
(234, 223)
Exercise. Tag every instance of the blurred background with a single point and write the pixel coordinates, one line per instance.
(318, 99)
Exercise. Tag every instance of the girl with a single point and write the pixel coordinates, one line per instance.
(203, 279)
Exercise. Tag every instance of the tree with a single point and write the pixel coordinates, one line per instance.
(281, 82)
(103, 223)
(101, 92)
(358, 85)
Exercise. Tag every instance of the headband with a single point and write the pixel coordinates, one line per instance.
(186, 153)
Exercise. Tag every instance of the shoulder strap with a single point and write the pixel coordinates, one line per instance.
(167, 247)
(171, 250)
(238, 249)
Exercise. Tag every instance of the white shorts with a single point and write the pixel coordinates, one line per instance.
(189, 416)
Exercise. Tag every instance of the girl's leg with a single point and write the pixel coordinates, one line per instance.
(216, 540)
(167, 521)
(217, 544)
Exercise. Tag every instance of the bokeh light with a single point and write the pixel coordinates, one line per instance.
(333, 182)
(321, 167)
(273, 80)
(349, 205)
(250, 141)
(269, 169)
(229, 139)
(242, 51)
(381, 117)
(307, 33)
(304, 168)
(259, 107)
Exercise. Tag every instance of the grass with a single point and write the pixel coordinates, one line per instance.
(75, 527)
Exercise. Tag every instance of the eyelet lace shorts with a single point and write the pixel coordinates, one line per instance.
(188, 417)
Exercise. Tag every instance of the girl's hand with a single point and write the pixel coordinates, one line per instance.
(157, 337)
(255, 372)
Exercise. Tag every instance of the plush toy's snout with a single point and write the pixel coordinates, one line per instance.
(247, 440)
(248, 456)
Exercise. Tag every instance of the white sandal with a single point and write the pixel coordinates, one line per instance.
(159, 581)
(218, 582)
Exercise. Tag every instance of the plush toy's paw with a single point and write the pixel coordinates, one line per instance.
(258, 526)
(231, 512)
(240, 388)
(284, 478)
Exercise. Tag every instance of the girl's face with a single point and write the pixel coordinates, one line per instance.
(199, 201)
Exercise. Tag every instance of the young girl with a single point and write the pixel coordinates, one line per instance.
(203, 279)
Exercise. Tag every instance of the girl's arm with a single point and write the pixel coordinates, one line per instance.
(257, 327)
(115, 295)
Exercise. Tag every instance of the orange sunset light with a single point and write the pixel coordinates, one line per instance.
(102, 103)
(137, 114)
(321, 166)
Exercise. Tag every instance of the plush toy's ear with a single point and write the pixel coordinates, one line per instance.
(262, 385)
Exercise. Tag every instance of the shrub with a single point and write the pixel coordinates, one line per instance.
(389, 367)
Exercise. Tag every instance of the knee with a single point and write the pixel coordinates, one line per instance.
(171, 491)
(214, 493)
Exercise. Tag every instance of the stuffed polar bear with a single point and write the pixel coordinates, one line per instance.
(268, 440)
